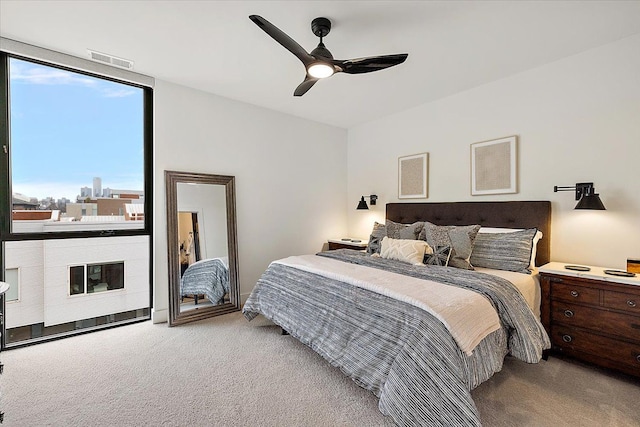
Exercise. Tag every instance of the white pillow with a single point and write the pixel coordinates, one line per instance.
(411, 251)
(538, 236)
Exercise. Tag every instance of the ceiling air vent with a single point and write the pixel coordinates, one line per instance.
(111, 60)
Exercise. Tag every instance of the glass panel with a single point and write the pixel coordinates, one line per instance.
(202, 236)
(77, 151)
(105, 277)
(76, 280)
(11, 276)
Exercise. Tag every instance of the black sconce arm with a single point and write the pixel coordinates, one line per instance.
(582, 189)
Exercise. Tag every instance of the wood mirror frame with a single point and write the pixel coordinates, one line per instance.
(172, 179)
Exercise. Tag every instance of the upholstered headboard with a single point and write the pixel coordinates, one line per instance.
(488, 214)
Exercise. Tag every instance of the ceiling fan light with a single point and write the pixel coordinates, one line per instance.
(320, 70)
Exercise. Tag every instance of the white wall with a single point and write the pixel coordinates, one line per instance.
(578, 120)
(59, 254)
(43, 274)
(290, 177)
(28, 258)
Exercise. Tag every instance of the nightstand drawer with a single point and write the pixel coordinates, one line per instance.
(622, 301)
(568, 291)
(622, 325)
(565, 338)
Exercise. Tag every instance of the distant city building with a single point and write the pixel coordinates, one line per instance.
(134, 212)
(105, 202)
(62, 204)
(127, 194)
(22, 202)
(97, 187)
(78, 210)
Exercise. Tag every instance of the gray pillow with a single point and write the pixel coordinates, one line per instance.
(504, 251)
(404, 231)
(460, 238)
(440, 256)
(375, 239)
(393, 230)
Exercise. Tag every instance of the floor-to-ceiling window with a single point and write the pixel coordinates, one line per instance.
(75, 195)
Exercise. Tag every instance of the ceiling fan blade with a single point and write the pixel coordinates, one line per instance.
(305, 85)
(369, 64)
(278, 35)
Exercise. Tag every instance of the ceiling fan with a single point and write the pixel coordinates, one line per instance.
(320, 63)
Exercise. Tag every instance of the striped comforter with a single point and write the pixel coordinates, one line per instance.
(208, 277)
(401, 353)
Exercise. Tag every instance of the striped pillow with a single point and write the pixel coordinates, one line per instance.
(504, 251)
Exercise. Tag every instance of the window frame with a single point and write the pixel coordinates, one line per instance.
(13, 49)
(6, 231)
(86, 278)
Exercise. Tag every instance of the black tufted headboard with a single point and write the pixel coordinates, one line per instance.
(488, 214)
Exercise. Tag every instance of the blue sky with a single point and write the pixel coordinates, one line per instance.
(67, 128)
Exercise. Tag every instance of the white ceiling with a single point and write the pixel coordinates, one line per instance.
(213, 46)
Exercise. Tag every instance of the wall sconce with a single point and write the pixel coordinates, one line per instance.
(586, 194)
(363, 205)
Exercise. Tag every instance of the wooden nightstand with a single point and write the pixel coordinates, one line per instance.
(347, 244)
(592, 316)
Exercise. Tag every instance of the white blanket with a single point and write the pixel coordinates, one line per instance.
(467, 315)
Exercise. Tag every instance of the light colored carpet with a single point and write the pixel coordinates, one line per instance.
(226, 371)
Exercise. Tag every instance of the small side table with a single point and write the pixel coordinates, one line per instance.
(347, 244)
(592, 316)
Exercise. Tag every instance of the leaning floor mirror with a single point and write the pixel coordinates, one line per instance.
(202, 247)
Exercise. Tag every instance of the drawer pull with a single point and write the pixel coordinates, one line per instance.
(631, 303)
(568, 313)
(575, 294)
(638, 358)
(567, 338)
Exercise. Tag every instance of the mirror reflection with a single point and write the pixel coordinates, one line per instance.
(201, 232)
(203, 248)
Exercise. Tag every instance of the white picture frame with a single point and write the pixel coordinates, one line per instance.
(413, 176)
(494, 166)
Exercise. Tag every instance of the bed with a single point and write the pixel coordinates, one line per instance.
(419, 337)
(209, 277)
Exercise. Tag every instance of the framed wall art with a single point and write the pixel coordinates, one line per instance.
(413, 174)
(493, 166)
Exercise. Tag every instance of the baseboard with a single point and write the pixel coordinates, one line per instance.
(159, 316)
(244, 298)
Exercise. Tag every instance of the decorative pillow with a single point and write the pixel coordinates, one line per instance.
(536, 239)
(440, 256)
(404, 231)
(405, 250)
(459, 238)
(379, 231)
(504, 251)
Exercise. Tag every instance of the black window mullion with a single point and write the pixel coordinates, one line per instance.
(5, 193)
(5, 176)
